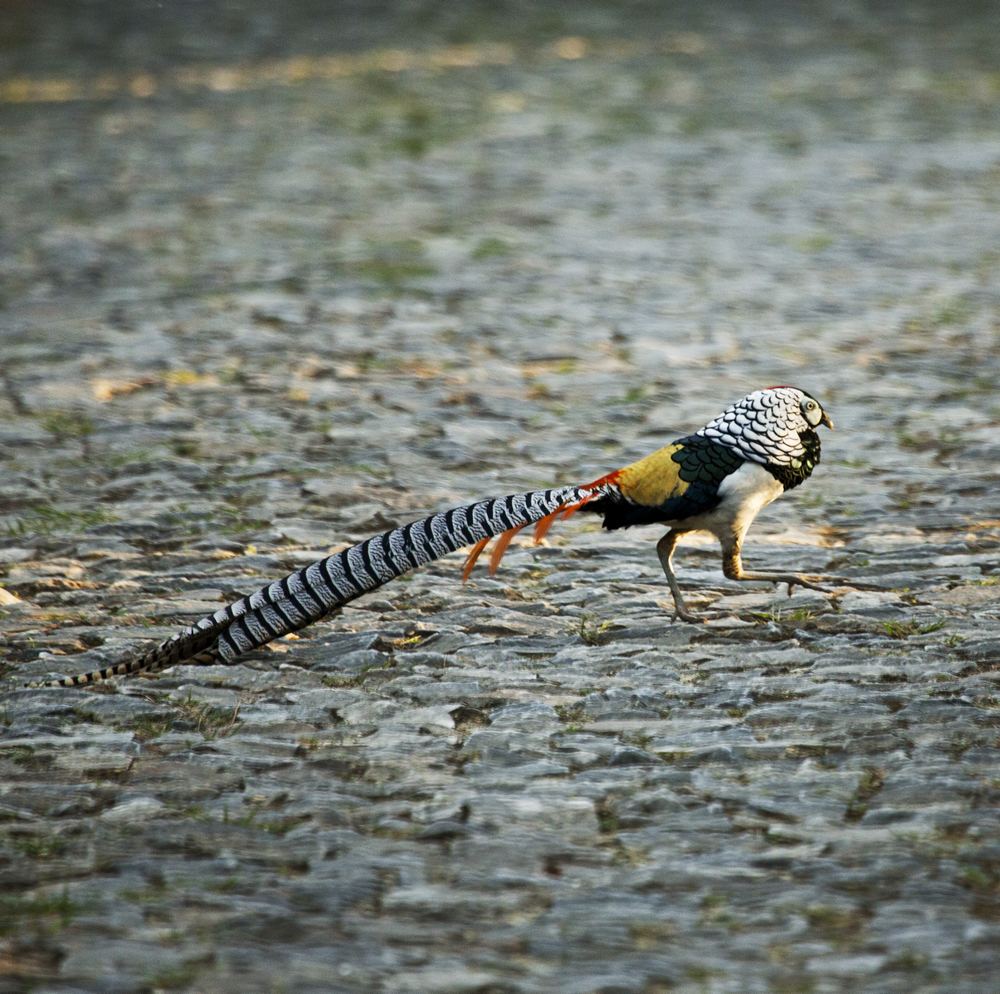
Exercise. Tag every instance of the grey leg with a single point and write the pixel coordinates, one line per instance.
(665, 550)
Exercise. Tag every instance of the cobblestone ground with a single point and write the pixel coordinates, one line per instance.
(269, 289)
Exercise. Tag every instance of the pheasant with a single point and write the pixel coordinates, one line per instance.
(715, 480)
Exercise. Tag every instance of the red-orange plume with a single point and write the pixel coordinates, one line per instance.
(500, 547)
(474, 553)
(544, 524)
(542, 527)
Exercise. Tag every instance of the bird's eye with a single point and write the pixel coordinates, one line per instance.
(810, 405)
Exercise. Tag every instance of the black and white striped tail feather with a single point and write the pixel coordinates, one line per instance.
(311, 593)
(191, 645)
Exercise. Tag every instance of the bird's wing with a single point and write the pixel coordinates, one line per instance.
(676, 482)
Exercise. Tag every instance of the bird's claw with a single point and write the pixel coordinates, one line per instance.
(832, 582)
(845, 581)
(681, 613)
(691, 619)
(809, 583)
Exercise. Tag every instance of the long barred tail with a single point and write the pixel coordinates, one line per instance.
(311, 593)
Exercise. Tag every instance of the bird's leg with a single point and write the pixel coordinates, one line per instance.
(665, 550)
(732, 567)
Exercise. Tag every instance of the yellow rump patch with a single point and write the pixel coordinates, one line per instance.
(653, 480)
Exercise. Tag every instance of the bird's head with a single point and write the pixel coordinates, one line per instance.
(770, 426)
(808, 407)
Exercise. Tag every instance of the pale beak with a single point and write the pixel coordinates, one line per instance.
(825, 420)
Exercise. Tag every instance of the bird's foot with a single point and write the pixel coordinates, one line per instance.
(824, 584)
(792, 579)
(846, 581)
(813, 583)
(682, 614)
(810, 583)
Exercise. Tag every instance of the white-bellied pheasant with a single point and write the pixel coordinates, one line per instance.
(715, 480)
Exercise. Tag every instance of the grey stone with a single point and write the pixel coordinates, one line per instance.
(135, 809)
(354, 661)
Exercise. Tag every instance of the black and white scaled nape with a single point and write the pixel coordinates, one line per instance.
(775, 428)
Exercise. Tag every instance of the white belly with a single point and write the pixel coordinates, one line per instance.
(743, 494)
(750, 485)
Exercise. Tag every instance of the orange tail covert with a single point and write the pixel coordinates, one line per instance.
(542, 527)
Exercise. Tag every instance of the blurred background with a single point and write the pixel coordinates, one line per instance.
(276, 276)
(598, 220)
